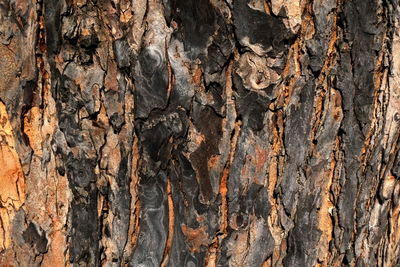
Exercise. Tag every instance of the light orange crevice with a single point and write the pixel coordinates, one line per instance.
(134, 226)
(171, 225)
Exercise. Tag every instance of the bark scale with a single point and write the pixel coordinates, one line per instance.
(199, 133)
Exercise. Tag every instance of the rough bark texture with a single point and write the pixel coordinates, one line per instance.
(199, 133)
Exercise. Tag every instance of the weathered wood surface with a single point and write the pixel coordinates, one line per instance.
(199, 133)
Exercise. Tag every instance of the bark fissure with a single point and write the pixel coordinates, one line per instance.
(199, 133)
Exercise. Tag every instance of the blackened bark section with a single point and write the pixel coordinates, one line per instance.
(52, 20)
(151, 82)
(364, 31)
(210, 125)
(84, 246)
(186, 196)
(36, 238)
(260, 29)
(196, 20)
(199, 133)
(154, 221)
(78, 153)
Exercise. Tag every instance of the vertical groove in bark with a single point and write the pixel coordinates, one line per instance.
(199, 132)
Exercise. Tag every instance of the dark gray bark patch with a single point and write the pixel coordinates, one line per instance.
(151, 83)
(260, 28)
(84, 246)
(35, 237)
(196, 19)
(210, 125)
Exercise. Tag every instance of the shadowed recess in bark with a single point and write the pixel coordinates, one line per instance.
(199, 133)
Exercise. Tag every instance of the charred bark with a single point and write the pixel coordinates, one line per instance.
(199, 133)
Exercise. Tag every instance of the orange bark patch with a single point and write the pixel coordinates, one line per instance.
(126, 16)
(8, 65)
(171, 225)
(267, 9)
(111, 77)
(200, 219)
(134, 226)
(32, 126)
(55, 256)
(325, 222)
(261, 158)
(337, 105)
(197, 76)
(212, 162)
(196, 237)
(7, 259)
(12, 182)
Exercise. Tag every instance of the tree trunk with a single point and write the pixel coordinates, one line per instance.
(199, 133)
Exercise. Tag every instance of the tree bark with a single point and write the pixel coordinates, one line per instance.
(199, 133)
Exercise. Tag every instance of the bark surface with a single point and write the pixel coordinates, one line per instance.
(199, 133)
